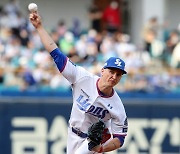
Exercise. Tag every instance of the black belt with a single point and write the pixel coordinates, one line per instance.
(79, 133)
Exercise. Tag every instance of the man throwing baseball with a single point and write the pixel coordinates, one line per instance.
(98, 121)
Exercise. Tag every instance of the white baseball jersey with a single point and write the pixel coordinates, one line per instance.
(89, 105)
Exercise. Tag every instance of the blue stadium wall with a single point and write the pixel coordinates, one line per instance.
(39, 126)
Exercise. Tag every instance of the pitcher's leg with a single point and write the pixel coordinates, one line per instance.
(73, 142)
(83, 149)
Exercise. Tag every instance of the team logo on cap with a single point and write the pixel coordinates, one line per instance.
(118, 62)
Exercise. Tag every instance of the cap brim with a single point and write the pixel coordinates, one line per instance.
(124, 72)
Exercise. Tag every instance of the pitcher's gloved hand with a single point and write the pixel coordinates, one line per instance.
(95, 134)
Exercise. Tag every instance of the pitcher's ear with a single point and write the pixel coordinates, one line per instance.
(102, 70)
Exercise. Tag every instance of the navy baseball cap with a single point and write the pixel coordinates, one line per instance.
(115, 62)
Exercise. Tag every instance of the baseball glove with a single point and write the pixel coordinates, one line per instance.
(95, 134)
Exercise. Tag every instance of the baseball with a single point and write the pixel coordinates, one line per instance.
(32, 7)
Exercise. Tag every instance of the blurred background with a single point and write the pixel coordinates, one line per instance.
(35, 100)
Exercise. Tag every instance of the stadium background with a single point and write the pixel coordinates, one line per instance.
(34, 112)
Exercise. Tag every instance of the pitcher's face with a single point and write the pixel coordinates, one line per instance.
(111, 76)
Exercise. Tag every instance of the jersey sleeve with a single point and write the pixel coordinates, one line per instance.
(119, 125)
(68, 69)
(59, 58)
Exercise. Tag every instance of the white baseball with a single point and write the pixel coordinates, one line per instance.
(32, 7)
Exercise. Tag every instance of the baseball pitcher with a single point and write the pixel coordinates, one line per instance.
(98, 121)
